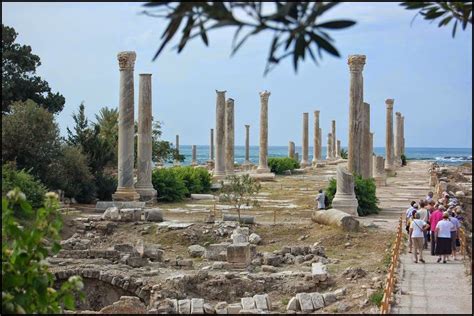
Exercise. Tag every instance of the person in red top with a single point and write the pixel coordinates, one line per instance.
(435, 217)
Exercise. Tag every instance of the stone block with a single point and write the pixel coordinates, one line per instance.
(234, 308)
(213, 250)
(247, 303)
(208, 309)
(272, 260)
(127, 215)
(221, 308)
(184, 306)
(306, 302)
(149, 251)
(103, 205)
(112, 214)
(254, 239)
(196, 251)
(239, 254)
(294, 305)
(317, 299)
(329, 298)
(127, 248)
(261, 301)
(197, 306)
(153, 215)
(244, 219)
(319, 271)
(239, 238)
(202, 196)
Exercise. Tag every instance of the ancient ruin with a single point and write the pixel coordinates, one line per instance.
(219, 163)
(305, 144)
(263, 150)
(345, 199)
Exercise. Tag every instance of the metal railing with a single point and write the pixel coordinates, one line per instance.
(390, 283)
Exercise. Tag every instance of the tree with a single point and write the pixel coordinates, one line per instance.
(30, 137)
(296, 26)
(107, 121)
(80, 128)
(240, 190)
(19, 81)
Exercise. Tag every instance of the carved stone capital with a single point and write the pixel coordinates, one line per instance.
(247, 126)
(230, 101)
(264, 95)
(356, 63)
(389, 103)
(126, 60)
(221, 92)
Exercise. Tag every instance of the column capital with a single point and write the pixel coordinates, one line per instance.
(398, 114)
(247, 126)
(229, 101)
(356, 63)
(127, 60)
(264, 95)
(389, 103)
(317, 112)
(221, 92)
(145, 75)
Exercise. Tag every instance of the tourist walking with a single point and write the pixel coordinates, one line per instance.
(424, 216)
(429, 197)
(417, 229)
(321, 200)
(408, 218)
(454, 233)
(435, 217)
(443, 238)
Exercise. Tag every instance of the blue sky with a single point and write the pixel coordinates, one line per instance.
(426, 71)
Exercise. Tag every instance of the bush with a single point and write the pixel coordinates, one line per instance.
(279, 165)
(106, 185)
(404, 159)
(196, 180)
(168, 184)
(21, 179)
(343, 153)
(376, 297)
(240, 190)
(27, 284)
(365, 191)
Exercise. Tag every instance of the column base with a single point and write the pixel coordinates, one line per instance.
(346, 203)
(218, 176)
(390, 171)
(126, 194)
(304, 164)
(263, 169)
(147, 195)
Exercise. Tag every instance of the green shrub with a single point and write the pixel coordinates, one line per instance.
(27, 284)
(106, 185)
(240, 190)
(343, 153)
(404, 159)
(196, 180)
(365, 191)
(32, 188)
(168, 184)
(206, 179)
(376, 297)
(279, 165)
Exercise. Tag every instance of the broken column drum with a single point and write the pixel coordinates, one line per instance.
(263, 150)
(229, 137)
(247, 145)
(316, 140)
(304, 159)
(345, 199)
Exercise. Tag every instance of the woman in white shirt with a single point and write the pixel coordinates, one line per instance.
(417, 228)
(443, 238)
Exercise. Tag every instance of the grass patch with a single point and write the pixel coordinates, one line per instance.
(285, 301)
(376, 298)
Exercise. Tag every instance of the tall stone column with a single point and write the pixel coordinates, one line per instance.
(297, 156)
(304, 159)
(389, 155)
(194, 160)
(229, 137)
(219, 164)
(320, 139)
(126, 130)
(365, 153)
(247, 145)
(345, 199)
(291, 150)
(356, 97)
(316, 140)
(144, 186)
(329, 153)
(398, 140)
(333, 134)
(176, 161)
(371, 154)
(263, 150)
(403, 135)
(338, 149)
(211, 146)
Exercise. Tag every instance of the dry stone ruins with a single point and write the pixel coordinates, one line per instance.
(132, 254)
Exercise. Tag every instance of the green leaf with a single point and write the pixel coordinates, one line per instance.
(170, 30)
(454, 28)
(445, 21)
(255, 31)
(340, 24)
(186, 32)
(322, 43)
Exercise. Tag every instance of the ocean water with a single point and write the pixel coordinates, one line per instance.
(451, 156)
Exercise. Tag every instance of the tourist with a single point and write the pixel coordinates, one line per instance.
(424, 216)
(435, 217)
(429, 197)
(454, 233)
(321, 198)
(443, 238)
(417, 229)
(410, 213)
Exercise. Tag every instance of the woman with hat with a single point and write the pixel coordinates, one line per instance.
(443, 238)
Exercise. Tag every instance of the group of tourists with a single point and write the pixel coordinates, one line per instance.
(436, 223)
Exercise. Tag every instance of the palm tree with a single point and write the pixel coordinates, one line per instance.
(107, 121)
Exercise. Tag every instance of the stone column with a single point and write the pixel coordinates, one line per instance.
(379, 172)
(389, 157)
(338, 149)
(263, 150)
(333, 134)
(320, 139)
(144, 186)
(316, 140)
(365, 153)
(356, 97)
(403, 135)
(126, 130)
(329, 153)
(247, 145)
(229, 137)
(304, 159)
(194, 160)
(211, 146)
(371, 154)
(219, 163)
(291, 150)
(398, 140)
(176, 161)
(297, 156)
(345, 199)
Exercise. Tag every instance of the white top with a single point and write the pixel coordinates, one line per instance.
(320, 199)
(444, 228)
(409, 212)
(417, 226)
(456, 223)
(423, 214)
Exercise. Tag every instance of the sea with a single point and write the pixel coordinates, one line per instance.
(447, 156)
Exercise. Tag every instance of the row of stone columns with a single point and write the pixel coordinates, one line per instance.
(143, 189)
